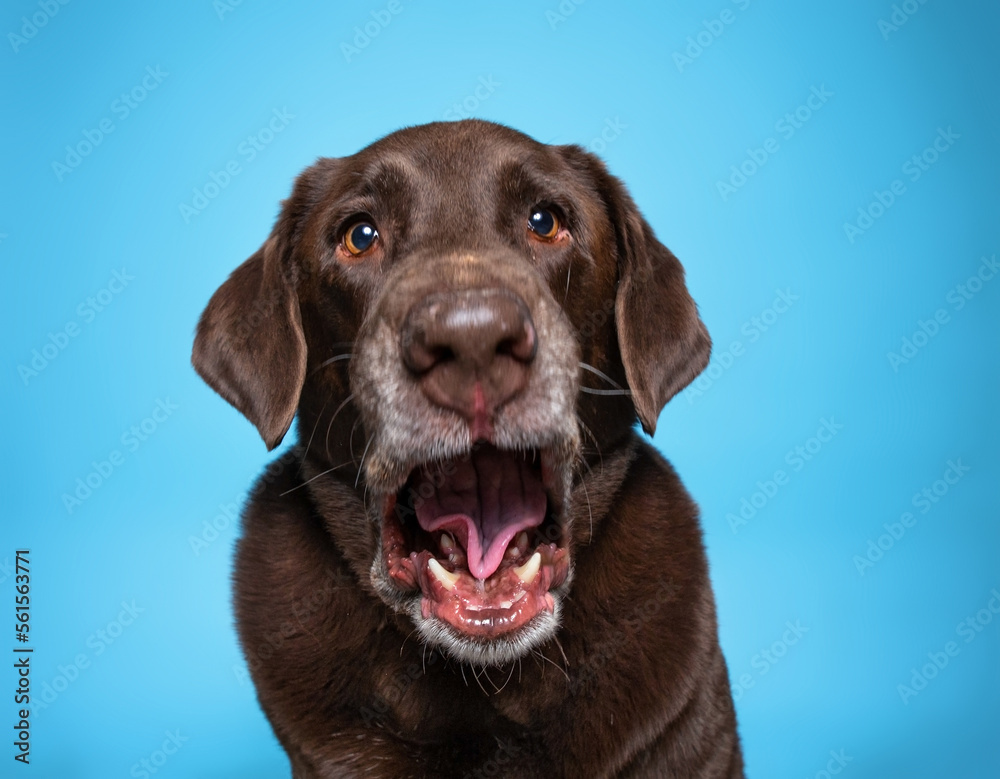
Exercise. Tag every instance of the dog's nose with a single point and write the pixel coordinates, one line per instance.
(470, 350)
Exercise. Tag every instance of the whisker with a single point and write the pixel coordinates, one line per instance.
(508, 679)
(600, 375)
(583, 482)
(362, 465)
(486, 673)
(562, 652)
(590, 391)
(597, 445)
(553, 662)
(313, 433)
(344, 356)
(476, 677)
(405, 640)
(323, 473)
(350, 441)
(329, 427)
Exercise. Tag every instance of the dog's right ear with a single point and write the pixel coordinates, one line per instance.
(250, 346)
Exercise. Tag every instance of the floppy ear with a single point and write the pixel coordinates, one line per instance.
(663, 343)
(662, 340)
(250, 346)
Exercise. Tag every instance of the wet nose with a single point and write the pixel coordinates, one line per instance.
(470, 350)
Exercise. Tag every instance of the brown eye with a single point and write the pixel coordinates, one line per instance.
(543, 223)
(360, 238)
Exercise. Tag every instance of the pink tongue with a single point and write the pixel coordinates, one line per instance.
(483, 501)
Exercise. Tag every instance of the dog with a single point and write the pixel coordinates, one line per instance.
(471, 563)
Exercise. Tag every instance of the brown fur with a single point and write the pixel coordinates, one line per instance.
(628, 679)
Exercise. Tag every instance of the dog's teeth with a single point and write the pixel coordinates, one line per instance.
(447, 543)
(527, 572)
(518, 547)
(446, 578)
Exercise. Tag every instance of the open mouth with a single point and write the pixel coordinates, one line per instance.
(479, 536)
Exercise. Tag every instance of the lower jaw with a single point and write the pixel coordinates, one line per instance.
(482, 621)
(496, 650)
(499, 606)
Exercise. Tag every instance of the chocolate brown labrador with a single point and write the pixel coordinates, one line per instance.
(471, 564)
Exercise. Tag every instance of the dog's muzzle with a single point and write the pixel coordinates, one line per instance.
(471, 402)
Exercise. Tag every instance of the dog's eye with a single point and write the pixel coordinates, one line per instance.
(360, 237)
(543, 223)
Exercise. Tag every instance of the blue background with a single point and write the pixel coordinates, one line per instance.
(562, 78)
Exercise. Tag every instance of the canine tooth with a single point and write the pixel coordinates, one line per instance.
(527, 572)
(444, 576)
(447, 543)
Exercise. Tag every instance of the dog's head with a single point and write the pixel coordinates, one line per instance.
(463, 319)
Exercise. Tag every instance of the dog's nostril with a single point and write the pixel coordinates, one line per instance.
(442, 354)
(520, 347)
(506, 347)
(457, 341)
(472, 327)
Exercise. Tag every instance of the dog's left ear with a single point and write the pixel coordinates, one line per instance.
(663, 343)
(250, 346)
